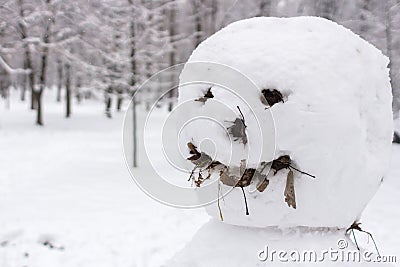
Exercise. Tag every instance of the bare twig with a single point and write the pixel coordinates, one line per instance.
(245, 202)
(313, 176)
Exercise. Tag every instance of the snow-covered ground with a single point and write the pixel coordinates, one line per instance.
(66, 198)
(66, 183)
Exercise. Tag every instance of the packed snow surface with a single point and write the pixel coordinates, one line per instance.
(273, 247)
(335, 121)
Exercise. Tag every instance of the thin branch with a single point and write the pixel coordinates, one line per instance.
(313, 176)
(11, 70)
(245, 201)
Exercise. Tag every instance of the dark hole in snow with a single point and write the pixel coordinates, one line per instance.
(206, 96)
(270, 97)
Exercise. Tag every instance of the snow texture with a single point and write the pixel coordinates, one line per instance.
(335, 121)
(261, 247)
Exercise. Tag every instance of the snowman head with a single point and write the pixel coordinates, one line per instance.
(294, 114)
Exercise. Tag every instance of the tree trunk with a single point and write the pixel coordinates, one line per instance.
(23, 91)
(214, 10)
(327, 9)
(172, 56)
(31, 77)
(24, 83)
(134, 122)
(197, 5)
(265, 8)
(149, 55)
(133, 84)
(133, 55)
(108, 106)
(78, 93)
(38, 98)
(43, 70)
(38, 95)
(119, 101)
(108, 100)
(60, 77)
(365, 8)
(27, 54)
(33, 99)
(67, 91)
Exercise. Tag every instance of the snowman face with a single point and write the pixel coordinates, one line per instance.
(311, 114)
(297, 126)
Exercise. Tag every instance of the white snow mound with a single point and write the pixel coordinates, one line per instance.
(335, 121)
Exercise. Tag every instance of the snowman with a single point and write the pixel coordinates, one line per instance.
(295, 127)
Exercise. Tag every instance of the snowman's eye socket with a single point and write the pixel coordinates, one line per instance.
(207, 95)
(270, 97)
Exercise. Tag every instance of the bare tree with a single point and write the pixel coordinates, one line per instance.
(67, 90)
(198, 12)
(265, 8)
(59, 79)
(172, 53)
(327, 8)
(132, 82)
(28, 63)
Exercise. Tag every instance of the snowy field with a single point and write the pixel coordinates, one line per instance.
(66, 184)
(66, 198)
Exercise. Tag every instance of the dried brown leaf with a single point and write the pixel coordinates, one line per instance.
(263, 181)
(246, 178)
(226, 179)
(238, 130)
(290, 197)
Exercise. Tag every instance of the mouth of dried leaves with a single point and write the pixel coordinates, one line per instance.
(244, 176)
